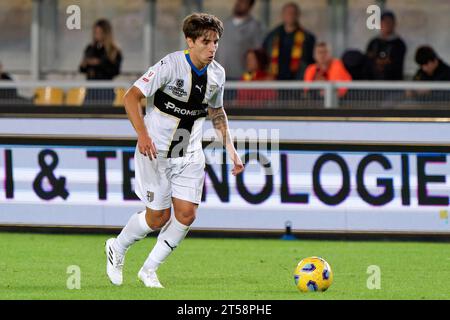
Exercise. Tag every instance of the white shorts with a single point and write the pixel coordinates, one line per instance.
(158, 180)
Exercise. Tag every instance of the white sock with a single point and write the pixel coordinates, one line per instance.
(135, 230)
(168, 239)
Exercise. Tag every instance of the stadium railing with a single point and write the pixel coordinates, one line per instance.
(353, 95)
(254, 95)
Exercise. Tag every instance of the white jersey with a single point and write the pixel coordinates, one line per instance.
(178, 97)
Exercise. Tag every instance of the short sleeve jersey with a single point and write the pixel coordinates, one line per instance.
(178, 95)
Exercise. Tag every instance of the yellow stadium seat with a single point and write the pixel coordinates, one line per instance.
(75, 96)
(118, 99)
(48, 96)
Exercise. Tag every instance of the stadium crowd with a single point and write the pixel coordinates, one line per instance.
(288, 52)
(293, 53)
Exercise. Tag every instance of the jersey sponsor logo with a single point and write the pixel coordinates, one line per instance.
(145, 79)
(178, 89)
(185, 112)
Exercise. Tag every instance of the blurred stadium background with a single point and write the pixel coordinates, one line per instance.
(36, 45)
(340, 22)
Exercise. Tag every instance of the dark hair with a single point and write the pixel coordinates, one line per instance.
(261, 57)
(387, 14)
(251, 3)
(425, 54)
(197, 24)
(103, 24)
(293, 5)
(111, 47)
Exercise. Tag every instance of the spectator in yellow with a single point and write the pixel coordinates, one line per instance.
(289, 46)
(326, 67)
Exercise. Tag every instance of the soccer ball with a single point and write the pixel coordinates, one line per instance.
(313, 274)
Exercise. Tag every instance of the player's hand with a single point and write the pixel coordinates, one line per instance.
(147, 146)
(238, 165)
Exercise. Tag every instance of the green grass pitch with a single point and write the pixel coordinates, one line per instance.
(34, 266)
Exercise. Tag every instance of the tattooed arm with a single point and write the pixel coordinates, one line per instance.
(220, 123)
